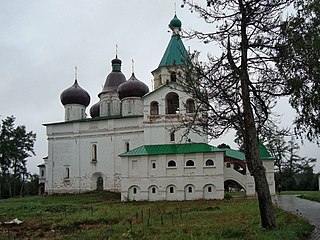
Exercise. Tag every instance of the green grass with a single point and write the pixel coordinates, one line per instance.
(102, 216)
(311, 195)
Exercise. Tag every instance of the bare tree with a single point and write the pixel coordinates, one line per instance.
(239, 88)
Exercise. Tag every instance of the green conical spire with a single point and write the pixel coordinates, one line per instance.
(176, 53)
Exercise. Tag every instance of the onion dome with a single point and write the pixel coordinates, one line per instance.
(75, 95)
(175, 23)
(132, 88)
(115, 78)
(95, 110)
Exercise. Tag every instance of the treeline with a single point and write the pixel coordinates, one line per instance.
(292, 172)
(16, 146)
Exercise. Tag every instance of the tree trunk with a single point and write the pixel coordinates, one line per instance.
(254, 162)
(252, 155)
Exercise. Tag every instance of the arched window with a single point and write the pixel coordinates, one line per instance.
(209, 162)
(154, 108)
(94, 152)
(172, 103)
(127, 147)
(135, 190)
(190, 106)
(190, 189)
(153, 190)
(209, 189)
(172, 137)
(172, 163)
(171, 189)
(190, 163)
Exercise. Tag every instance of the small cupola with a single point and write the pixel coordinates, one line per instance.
(175, 25)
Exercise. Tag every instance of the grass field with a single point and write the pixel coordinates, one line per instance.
(311, 195)
(102, 216)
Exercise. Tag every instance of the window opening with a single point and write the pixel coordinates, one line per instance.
(171, 163)
(134, 190)
(172, 136)
(173, 76)
(153, 190)
(190, 106)
(172, 103)
(153, 165)
(67, 173)
(171, 189)
(190, 189)
(154, 108)
(127, 147)
(94, 152)
(209, 189)
(108, 109)
(209, 162)
(190, 163)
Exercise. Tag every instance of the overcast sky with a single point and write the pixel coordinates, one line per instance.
(41, 41)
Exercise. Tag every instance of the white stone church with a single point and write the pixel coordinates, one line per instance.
(131, 143)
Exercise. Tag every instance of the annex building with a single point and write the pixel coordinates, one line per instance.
(132, 143)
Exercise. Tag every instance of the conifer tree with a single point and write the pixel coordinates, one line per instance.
(239, 87)
(16, 145)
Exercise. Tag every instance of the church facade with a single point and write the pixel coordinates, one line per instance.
(133, 142)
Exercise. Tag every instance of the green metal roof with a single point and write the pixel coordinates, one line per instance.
(234, 154)
(165, 149)
(264, 154)
(175, 54)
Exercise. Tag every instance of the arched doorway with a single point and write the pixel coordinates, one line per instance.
(100, 184)
(233, 186)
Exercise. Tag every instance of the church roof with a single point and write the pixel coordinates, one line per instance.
(264, 153)
(175, 54)
(166, 149)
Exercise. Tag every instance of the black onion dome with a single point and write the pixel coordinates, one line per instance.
(95, 110)
(132, 88)
(75, 95)
(115, 78)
